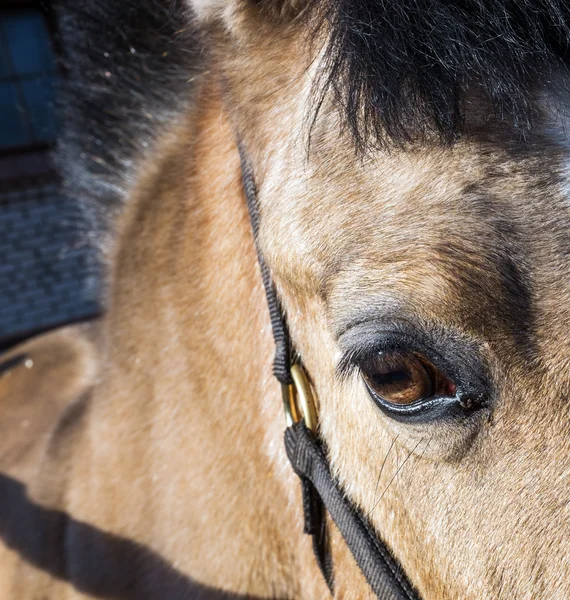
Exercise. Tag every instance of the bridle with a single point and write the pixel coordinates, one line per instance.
(321, 493)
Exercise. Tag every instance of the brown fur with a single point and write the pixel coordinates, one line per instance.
(177, 447)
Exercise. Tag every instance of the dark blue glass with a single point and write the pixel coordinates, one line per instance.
(27, 35)
(5, 68)
(13, 130)
(40, 99)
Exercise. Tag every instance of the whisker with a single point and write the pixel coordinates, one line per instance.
(422, 452)
(425, 448)
(396, 473)
(381, 471)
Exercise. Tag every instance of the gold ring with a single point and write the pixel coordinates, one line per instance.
(299, 400)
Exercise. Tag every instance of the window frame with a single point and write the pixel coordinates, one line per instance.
(46, 11)
(31, 160)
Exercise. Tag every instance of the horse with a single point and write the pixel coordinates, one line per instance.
(409, 166)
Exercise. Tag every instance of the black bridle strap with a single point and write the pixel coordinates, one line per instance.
(282, 358)
(381, 570)
(314, 513)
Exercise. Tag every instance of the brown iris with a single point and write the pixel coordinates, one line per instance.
(405, 378)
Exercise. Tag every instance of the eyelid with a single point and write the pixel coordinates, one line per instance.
(383, 341)
(351, 359)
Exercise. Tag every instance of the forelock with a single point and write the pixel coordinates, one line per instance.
(400, 70)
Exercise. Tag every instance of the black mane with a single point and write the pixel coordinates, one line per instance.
(400, 69)
(129, 69)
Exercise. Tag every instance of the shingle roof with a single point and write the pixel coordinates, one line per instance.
(48, 273)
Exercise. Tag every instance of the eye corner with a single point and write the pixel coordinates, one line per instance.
(347, 365)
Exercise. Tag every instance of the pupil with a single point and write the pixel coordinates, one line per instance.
(391, 378)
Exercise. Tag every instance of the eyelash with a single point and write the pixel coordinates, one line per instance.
(351, 360)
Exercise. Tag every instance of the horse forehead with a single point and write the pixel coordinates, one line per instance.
(473, 235)
(430, 204)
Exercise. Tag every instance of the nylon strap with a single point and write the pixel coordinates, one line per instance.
(381, 570)
(282, 359)
(320, 491)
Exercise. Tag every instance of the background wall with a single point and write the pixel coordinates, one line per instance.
(48, 274)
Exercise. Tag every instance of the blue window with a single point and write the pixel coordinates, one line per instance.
(28, 73)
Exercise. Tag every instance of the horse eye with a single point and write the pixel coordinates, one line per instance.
(404, 378)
